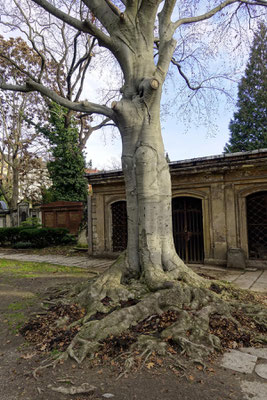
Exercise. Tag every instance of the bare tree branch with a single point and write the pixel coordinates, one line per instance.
(84, 136)
(103, 13)
(214, 11)
(85, 26)
(114, 8)
(174, 62)
(84, 106)
(255, 3)
(85, 67)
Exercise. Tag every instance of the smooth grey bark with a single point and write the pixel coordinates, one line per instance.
(151, 253)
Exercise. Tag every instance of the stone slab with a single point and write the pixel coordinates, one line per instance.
(259, 287)
(263, 277)
(246, 280)
(254, 390)
(231, 277)
(258, 352)
(261, 370)
(238, 361)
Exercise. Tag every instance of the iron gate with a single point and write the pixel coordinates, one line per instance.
(188, 228)
(257, 225)
(119, 226)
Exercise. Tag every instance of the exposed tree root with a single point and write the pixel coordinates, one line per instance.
(182, 315)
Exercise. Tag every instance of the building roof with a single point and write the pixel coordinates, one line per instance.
(222, 161)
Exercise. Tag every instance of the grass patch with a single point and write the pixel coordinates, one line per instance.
(17, 314)
(26, 269)
(15, 321)
(20, 305)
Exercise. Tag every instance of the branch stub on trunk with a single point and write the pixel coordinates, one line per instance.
(154, 83)
(114, 104)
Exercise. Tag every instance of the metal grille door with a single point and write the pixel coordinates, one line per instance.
(188, 228)
(257, 225)
(119, 226)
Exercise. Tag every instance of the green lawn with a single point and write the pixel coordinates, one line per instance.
(27, 269)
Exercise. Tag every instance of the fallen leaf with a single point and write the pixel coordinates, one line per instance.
(27, 356)
(150, 365)
(171, 350)
(210, 370)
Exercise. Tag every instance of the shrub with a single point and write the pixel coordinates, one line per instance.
(37, 237)
(31, 222)
(42, 237)
(69, 238)
(22, 245)
(9, 235)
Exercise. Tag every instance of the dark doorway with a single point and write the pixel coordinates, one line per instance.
(188, 228)
(119, 226)
(257, 225)
(23, 216)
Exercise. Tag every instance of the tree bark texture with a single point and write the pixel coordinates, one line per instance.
(151, 253)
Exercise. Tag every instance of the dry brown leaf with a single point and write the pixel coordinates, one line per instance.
(27, 356)
(171, 350)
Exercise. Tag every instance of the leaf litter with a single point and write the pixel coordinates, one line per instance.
(47, 334)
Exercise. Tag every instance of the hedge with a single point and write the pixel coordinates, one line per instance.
(37, 237)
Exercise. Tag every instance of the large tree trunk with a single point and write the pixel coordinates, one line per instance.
(151, 254)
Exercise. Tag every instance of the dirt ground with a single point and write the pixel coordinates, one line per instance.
(21, 296)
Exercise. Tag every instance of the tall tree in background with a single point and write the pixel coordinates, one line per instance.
(64, 55)
(67, 166)
(146, 37)
(22, 151)
(249, 126)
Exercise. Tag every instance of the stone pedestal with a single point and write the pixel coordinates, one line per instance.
(236, 258)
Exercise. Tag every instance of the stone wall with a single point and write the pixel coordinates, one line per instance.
(222, 183)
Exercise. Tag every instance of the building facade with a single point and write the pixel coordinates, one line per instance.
(219, 210)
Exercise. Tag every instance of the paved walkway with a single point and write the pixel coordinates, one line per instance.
(250, 364)
(255, 280)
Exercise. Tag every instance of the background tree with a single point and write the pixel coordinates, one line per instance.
(67, 166)
(22, 150)
(62, 70)
(141, 37)
(249, 126)
(59, 48)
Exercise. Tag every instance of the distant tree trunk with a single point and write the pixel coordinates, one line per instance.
(13, 203)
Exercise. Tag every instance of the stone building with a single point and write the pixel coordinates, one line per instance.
(219, 210)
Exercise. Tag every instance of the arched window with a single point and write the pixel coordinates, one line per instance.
(257, 225)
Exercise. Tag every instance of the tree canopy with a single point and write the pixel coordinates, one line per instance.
(249, 125)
